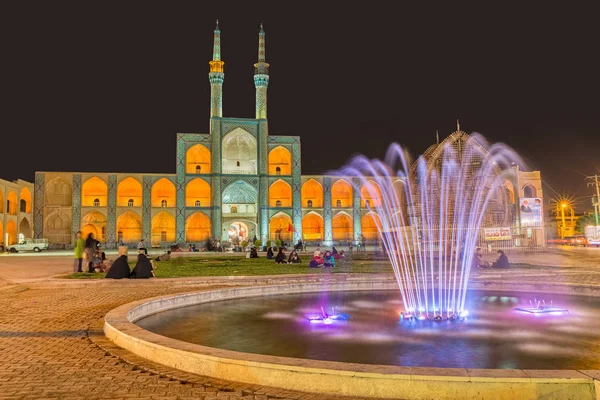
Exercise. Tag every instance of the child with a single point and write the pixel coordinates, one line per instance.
(328, 260)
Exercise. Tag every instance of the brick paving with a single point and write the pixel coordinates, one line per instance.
(51, 345)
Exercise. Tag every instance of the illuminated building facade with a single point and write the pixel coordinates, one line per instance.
(16, 211)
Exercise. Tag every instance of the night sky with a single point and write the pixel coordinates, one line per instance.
(107, 87)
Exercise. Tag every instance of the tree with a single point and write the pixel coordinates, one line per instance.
(584, 221)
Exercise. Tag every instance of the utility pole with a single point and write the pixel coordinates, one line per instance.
(595, 181)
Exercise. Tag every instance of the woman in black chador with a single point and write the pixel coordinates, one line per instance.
(143, 269)
(119, 269)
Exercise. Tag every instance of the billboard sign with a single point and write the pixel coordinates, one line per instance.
(490, 234)
(592, 234)
(531, 211)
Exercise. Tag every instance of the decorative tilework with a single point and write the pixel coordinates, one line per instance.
(284, 139)
(146, 209)
(215, 151)
(216, 213)
(180, 188)
(38, 215)
(229, 124)
(296, 192)
(111, 217)
(263, 148)
(76, 214)
(356, 211)
(327, 214)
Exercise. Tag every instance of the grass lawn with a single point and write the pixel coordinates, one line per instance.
(241, 266)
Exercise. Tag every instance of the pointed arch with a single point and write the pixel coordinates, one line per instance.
(198, 190)
(1, 210)
(164, 193)
(369, 223)
(94, 222)
(57, 227)
(280, 194)
(11, 203)
(281, 227)
(312, 226)
(280, 161)
(58, 192)
(25, 201)
(197, 227)
(239, 151)
(94, 193)
(1, 233)
(129, 189)
(312, 194)
(370, 193)
(341, 194)
(129, 227)
(163, 228)
(510, 190)
(197, 160)
(342, 227)
(25, 228)
(11, 230)
(529, 191)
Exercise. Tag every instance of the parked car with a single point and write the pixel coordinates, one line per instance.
(28, 244)
(577, 240)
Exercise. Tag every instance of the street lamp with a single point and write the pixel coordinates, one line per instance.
(562, 209)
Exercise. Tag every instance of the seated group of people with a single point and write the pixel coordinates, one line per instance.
(281, 257)
(326, 260)
(144, 268)
(501, 261)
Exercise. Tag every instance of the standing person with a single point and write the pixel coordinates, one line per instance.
(142, 246)
(78, 250)
(90, 250)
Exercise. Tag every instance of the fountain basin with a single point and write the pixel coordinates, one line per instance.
(332, 377)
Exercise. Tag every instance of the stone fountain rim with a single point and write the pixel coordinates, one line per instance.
(291, 373)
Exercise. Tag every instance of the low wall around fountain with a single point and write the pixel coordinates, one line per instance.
(337, 378)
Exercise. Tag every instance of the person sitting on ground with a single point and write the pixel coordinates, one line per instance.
(144, 268)
(334, 250)
(317, 252)
(501, 261)
(253, 252)
(328, 260)
(317, 260)
(280, 258)
(478, 259)
(342, 254)
(293, 258)
(270, 254)
(119, 269)
(164, 257)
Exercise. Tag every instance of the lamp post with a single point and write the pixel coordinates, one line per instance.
(562, 209)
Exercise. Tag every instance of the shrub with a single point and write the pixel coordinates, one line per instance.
(257, 243)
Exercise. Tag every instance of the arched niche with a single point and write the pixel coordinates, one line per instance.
(197, 160)
(1, 211)
(58, 192)
(57, 227)
(280, 194)
(281, 227)
(25, 228)
(341, 194)
(280, 161)
(312, 194)
(164, 193)
(163, 228)
(11, 231)
(198, 193)
(129, 227)
(94, 193)
(312, 227)
(239, 198)
(129, 193)
(342, 227)
(239, 152)
(197, 227)
(370, 195)
(369, 223)
(25, 201)
(11, 203)
(95, 223)
(529, 191)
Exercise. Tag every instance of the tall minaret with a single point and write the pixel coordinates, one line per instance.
(261, 77)
(216, 77)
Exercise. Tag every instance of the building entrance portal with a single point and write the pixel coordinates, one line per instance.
(237, 232)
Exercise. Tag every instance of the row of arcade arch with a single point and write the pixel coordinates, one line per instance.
(11, 205)
(9, 233)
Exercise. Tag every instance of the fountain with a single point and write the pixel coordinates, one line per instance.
(430, 213)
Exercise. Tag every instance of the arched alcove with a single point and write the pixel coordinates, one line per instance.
(94, 222)
(312, 227)
(163, 228)
(240, 198)
(198, 193)
(342, 227)
(129, 227)
(281, 227)
(129, 189)
(58, 192)
(312, 194)
(25, 228)
(370, 194)
(280, 161)
(94, 193)
(280, 194)
(369, 224)
(529, 191)
(163, 193)
(25, 201)
(1, 210)
(239, 153)
(197, 160)
(11, 203)
(341, 194)
(57, 227)
(11, 230)
(197, 227)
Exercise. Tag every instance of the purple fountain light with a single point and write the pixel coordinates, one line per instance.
(431, 210)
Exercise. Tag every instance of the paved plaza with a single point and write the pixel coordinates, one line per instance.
(51, 345)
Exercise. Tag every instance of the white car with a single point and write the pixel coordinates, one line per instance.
(28, 244)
